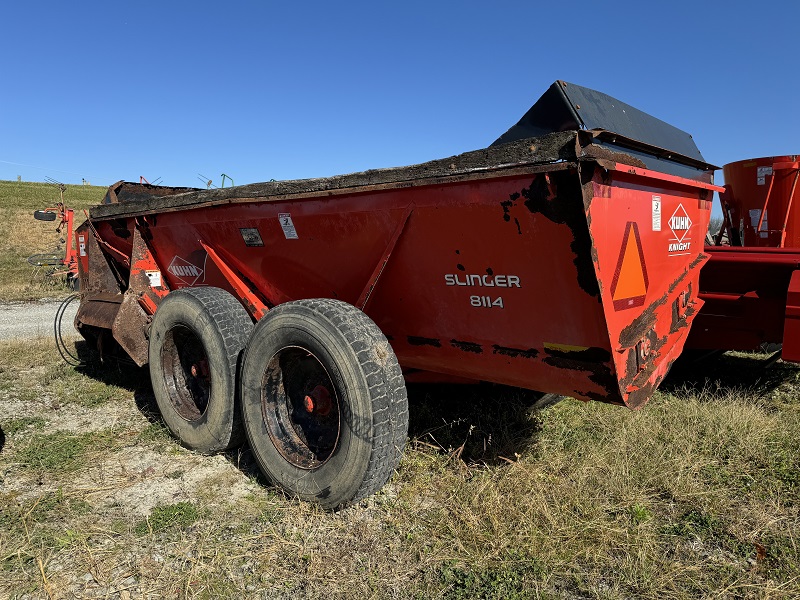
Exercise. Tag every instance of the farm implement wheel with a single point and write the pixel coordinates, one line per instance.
(324, 401)
(196, 339)
(50, 259)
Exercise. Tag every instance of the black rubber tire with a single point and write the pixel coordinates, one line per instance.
(208, 327)
(343, 346)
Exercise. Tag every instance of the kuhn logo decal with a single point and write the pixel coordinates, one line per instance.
(680, 223)
(187, 272)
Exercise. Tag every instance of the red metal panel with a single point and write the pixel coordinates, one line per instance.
(745, 294)
(672, 220)
(791, 331)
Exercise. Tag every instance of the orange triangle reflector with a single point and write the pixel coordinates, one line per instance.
(629, 286)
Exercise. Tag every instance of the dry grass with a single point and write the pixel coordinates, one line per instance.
(26, 236)
(696, 495)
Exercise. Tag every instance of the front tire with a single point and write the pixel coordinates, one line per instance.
(324, 401)
(196, 340)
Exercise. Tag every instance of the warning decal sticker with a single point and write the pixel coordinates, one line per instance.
(629, 286)
(656, 203)
(154, 277)
(288, 226)
(761, 175)
(251, 236)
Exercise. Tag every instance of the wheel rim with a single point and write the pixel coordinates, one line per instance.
(184, 364)
(300, 408)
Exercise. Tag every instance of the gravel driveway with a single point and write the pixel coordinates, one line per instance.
(25, 320)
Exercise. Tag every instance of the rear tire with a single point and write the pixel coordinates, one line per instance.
(196, 340)
(324, 401)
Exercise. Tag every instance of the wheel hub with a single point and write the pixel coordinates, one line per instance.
(300, 408)
(319, 401)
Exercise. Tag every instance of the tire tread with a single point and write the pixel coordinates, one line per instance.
(386, 387)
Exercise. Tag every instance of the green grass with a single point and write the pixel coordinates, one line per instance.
(168, 518)
(22, 425)
(61, 453)
(26, 236)
(32, 370)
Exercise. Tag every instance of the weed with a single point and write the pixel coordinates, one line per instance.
(508, 581)
(155, 433)
(640, 514)
(62, 452)
(53, 452)
(170, 517)
(15, 426)
(694, 524)
(781, 557)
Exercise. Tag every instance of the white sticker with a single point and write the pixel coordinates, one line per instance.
(761, 180)
(186, 271)
(154, 277)
(656, 213)
(763, 171)
(288, 226)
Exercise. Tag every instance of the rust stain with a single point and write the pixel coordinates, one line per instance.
(593, 354)
(595, 361)
(467, 346)
(416, 340)
(638, 398)
(506, 205)
(515, 352)
(559, 198)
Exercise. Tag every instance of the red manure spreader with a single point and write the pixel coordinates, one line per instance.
(564, 258)
(751, 284)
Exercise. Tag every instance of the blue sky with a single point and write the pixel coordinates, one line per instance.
(264, 90)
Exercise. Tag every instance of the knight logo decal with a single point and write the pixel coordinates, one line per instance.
(189, 271)
(679, 224)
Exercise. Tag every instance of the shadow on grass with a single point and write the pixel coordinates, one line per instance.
(2, 439)
(120, 371)
(476, 423)
(729, 372)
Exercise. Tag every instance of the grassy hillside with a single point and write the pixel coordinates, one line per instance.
(24, 236)
(697, 495)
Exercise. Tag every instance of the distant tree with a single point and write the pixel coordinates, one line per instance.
(714, 225)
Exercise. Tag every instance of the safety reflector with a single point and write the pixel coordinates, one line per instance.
(629, 285)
